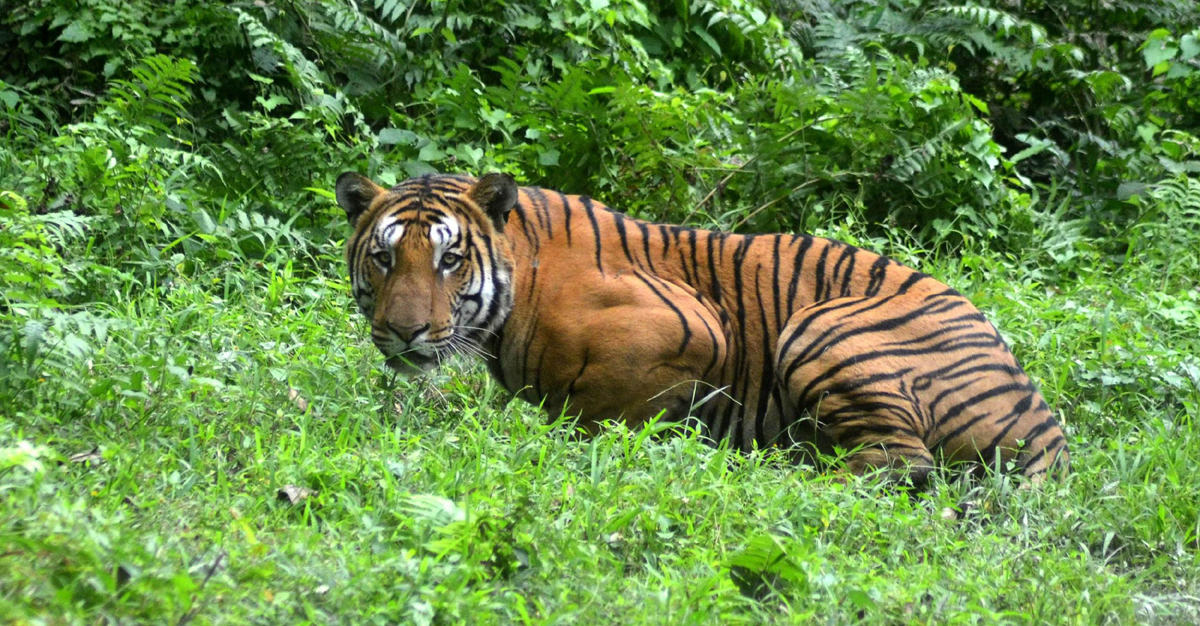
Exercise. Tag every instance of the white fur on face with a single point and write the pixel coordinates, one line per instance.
(384, 236)
(442, 236)
(484, 284)
(389, 234)
(446, 236)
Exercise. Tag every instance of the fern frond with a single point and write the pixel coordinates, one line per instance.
(159, 89)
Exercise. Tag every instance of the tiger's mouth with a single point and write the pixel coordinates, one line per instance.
(426, 355)
(411, 362)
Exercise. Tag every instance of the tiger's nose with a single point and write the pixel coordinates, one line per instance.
(407, 333)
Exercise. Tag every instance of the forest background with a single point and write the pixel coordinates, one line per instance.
(194, 426)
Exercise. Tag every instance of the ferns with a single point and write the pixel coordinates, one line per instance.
(30, 267)
(305, 76)
(1104, 84)
(391, 10)
(160, 89)
(1002, 22)
(371, 40)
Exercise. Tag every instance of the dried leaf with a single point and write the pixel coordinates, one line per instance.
(124, 575)
(294, 495)
(962, 511)
(294, 396)
(91, 456)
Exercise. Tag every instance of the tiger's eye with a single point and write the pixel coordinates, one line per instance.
(451, 260)
(383, 258)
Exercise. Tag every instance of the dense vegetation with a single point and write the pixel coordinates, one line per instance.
(177, 343)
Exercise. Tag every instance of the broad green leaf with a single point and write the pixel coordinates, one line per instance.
(75, 32)
(1147, 132)
(431, 152)
(388, 7)
(470, 154)
(860, 599)
(392, 136)
(1189, 46)
(707, 38)
(1158, 48)
(494, 116)
(1036, 148)
(976, 102)
(204, 222)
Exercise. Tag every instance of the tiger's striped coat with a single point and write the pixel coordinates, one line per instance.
(804, 340)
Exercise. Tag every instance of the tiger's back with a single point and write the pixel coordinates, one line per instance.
(761, 339)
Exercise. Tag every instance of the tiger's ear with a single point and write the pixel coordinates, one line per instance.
(355, 193)
(496, 194)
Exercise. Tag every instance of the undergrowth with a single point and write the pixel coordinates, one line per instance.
(195, 428)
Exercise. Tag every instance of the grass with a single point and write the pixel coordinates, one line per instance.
(143, 485)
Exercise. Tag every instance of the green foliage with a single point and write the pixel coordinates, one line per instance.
(1088, 98)
(174, 306)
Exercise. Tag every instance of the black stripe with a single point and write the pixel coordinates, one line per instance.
(774, 294)
(812, 316)
(957, 409)
(885, 325)
(543, 207)
(797, 269)
(619, 222)
(587, 206)
(695, 262)
(566, 216)
(913, 279)
(819, 289)
(877, 275)
(666, 239)
(811, 351)
(646, 242)
(1014, 417)
(537, 378)
(530, 235)
(525, 350)
(767, 375)
(687, 331)
(712, 361)
(583, 366)
(942, 374)
(848, 275)
(714, 283)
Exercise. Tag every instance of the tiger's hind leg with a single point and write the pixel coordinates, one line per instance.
(896, 377)
(863, 404)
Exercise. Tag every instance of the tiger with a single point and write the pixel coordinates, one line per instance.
(755, 340)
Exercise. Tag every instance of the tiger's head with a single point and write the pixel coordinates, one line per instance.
(429, 264)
